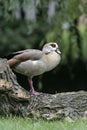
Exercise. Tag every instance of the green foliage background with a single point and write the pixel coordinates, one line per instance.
(32, 23)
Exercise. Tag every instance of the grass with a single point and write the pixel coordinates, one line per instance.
(30, 124)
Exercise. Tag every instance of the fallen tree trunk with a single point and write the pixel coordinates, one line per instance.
(15, 100)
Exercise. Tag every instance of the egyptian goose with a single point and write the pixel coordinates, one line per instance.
(32, 62)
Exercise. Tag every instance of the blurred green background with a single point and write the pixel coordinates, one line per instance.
(31, 23)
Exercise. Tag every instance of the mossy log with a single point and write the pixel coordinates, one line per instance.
(16, 101)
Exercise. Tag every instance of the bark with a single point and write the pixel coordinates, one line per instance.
(15, 100)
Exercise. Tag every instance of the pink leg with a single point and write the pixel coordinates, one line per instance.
(32, 88)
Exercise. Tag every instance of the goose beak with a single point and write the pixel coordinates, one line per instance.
(58, 51)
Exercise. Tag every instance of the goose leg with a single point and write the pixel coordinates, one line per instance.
(32, 87)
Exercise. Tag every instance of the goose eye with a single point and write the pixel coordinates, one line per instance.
(53, 45)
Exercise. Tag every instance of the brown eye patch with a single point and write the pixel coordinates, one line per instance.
(53, 45)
